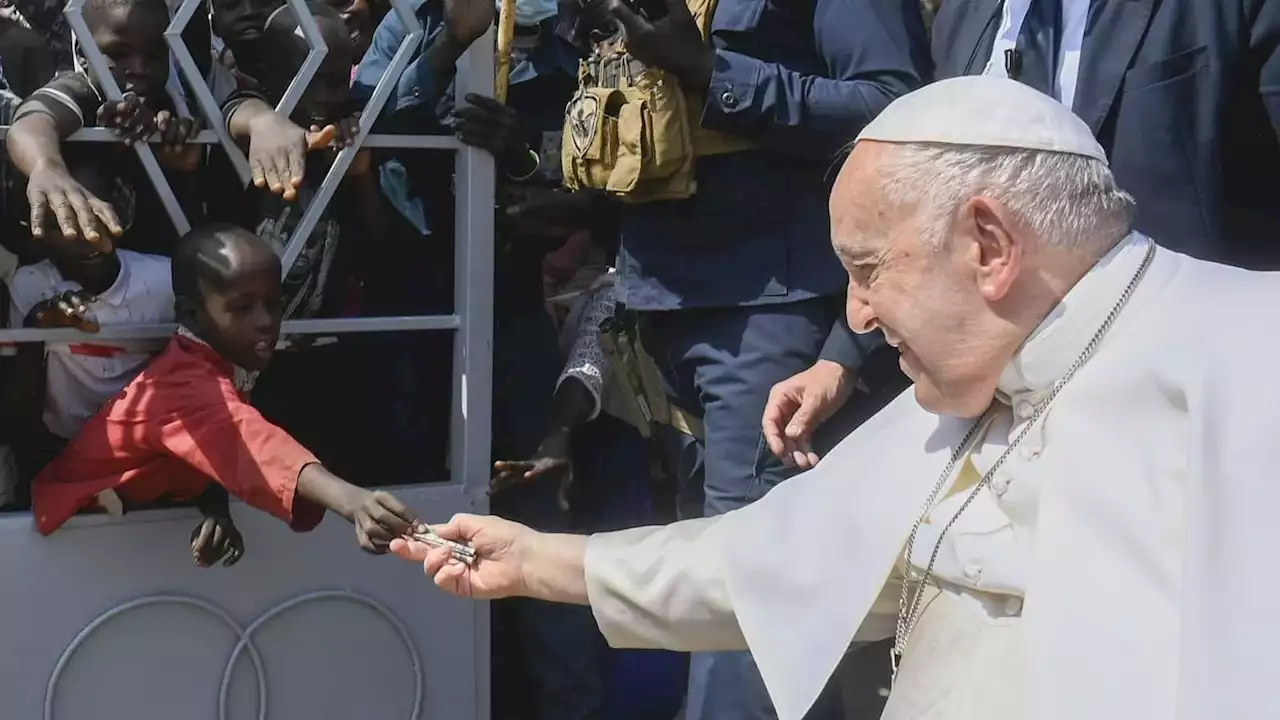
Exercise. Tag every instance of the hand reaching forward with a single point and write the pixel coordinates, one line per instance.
(277, 152)
(798, 405)
(500, 545)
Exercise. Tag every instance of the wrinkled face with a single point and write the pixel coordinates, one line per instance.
(240, 316)
(131, 37)
(937, 303)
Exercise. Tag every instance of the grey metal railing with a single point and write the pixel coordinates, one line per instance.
(471, 321)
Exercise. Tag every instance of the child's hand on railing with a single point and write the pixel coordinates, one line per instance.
(69, 309)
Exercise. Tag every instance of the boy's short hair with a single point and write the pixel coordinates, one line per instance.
(282, 28)
(282, 33)
(198, 256)
(156, 5)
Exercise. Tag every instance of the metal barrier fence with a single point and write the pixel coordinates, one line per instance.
(471, 321)
(474, 193)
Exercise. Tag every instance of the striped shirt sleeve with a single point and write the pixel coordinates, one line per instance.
(71, 99)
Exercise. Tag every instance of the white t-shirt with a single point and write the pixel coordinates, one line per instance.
(8, 469)
(83, 376)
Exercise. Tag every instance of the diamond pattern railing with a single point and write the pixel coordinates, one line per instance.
(98, 65)
(471, 321)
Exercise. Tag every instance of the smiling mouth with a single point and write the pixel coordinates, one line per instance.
(264, 345)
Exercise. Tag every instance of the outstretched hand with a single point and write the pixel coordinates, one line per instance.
(277, 152)
(798, 405)
(550, 463)
(51, 191)
(500, 547)
(379, 518)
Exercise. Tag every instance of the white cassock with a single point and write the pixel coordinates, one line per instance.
(1122, 564)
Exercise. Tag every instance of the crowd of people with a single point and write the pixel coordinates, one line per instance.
(670, 337)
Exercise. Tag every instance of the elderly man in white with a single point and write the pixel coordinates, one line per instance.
(1070, 518)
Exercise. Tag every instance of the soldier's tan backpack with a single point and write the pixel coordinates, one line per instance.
(632, 131)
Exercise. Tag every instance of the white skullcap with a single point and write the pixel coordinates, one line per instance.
(984, 110)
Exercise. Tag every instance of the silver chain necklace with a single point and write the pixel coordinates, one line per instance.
(909, 605)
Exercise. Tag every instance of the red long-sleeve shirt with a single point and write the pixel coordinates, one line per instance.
(177, 427)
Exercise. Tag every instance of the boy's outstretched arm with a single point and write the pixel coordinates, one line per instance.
(227, 440)
(378, 516)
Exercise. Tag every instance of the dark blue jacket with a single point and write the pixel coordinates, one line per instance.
(1184, 95)
(542, 82)
(801, 78)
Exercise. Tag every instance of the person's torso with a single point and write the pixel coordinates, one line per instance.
(122, 443)
(756, 231)
(83, 375)
(538, 97)
(1172, 91)
(1108, 485)
(306, 282)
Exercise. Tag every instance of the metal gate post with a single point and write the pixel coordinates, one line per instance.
(474, 192)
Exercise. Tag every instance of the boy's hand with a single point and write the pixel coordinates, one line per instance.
(216, 538)
(277, 152)
(68, 309)
(129, 117)
(78, 212)
(176, 132)
(345, 133)
(551, 461)
(489, 125)
(379, 518)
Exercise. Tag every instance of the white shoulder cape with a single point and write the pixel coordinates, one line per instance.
(1154, 585)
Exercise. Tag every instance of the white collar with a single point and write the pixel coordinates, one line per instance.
(1047, 354)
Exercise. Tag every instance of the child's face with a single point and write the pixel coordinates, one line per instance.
(327, 98)
(79, 260)
(360, 23)
(240, 318)
(132, 40)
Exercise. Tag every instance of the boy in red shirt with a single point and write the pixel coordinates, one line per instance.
(183, 431)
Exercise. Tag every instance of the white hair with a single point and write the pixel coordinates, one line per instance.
(1069, 201)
